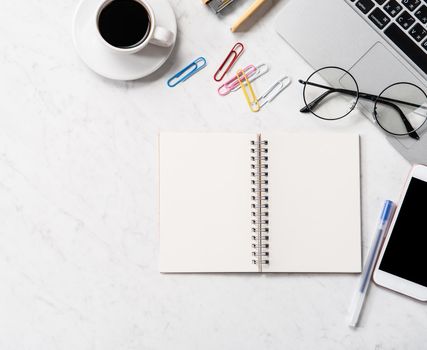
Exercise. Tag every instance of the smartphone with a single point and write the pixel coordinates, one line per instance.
(402, 263)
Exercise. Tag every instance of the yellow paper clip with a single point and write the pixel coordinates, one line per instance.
(245, 85)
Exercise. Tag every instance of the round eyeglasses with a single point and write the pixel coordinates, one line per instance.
(331, 93)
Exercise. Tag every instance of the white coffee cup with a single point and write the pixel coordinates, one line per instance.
(157, 35)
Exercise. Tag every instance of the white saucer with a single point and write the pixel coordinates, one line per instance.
(115, 65)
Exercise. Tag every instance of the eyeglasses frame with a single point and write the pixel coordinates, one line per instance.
(356, 93)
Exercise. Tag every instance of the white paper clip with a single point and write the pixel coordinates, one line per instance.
(261, 69)
(274, 90)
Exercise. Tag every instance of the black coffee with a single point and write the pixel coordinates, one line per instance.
(124, 23)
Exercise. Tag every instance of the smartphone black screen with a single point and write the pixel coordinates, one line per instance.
(406, 252)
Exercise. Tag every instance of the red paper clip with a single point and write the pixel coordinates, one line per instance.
(232, 57)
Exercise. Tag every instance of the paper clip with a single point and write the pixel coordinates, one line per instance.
(273, 91)
(227, 87)
(260, 70)
(190, 70)
(250, 99)
(232, 57)
(251, 71)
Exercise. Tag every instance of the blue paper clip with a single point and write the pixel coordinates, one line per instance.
(190, 70)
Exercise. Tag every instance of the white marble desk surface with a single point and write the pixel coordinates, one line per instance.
(78, 201)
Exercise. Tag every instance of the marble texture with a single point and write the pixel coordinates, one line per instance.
(78, 201)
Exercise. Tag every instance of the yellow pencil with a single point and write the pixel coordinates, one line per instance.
(248, 13)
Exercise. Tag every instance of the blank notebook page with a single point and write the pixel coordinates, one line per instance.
(205, 220)
(314, 202)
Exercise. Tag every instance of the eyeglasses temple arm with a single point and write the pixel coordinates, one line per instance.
(364, 95)
(307, 108)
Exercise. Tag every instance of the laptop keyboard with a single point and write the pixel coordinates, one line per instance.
(403, 22)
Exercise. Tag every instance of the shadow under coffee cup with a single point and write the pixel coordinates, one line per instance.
(127, 26)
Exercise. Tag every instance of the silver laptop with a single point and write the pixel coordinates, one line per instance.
(379, 42)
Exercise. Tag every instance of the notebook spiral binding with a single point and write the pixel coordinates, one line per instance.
(259, 206)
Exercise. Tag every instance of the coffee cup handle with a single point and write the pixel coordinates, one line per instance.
(162, 37)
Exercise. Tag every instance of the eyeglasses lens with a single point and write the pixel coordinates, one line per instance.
(401, 109)
(323, 93)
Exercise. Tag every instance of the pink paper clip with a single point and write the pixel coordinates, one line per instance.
(226, 88)
(231, 59)
(251, 71)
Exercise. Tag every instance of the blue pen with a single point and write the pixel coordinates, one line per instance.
(365, 278)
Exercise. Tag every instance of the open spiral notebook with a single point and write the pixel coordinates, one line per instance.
(271, 202)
